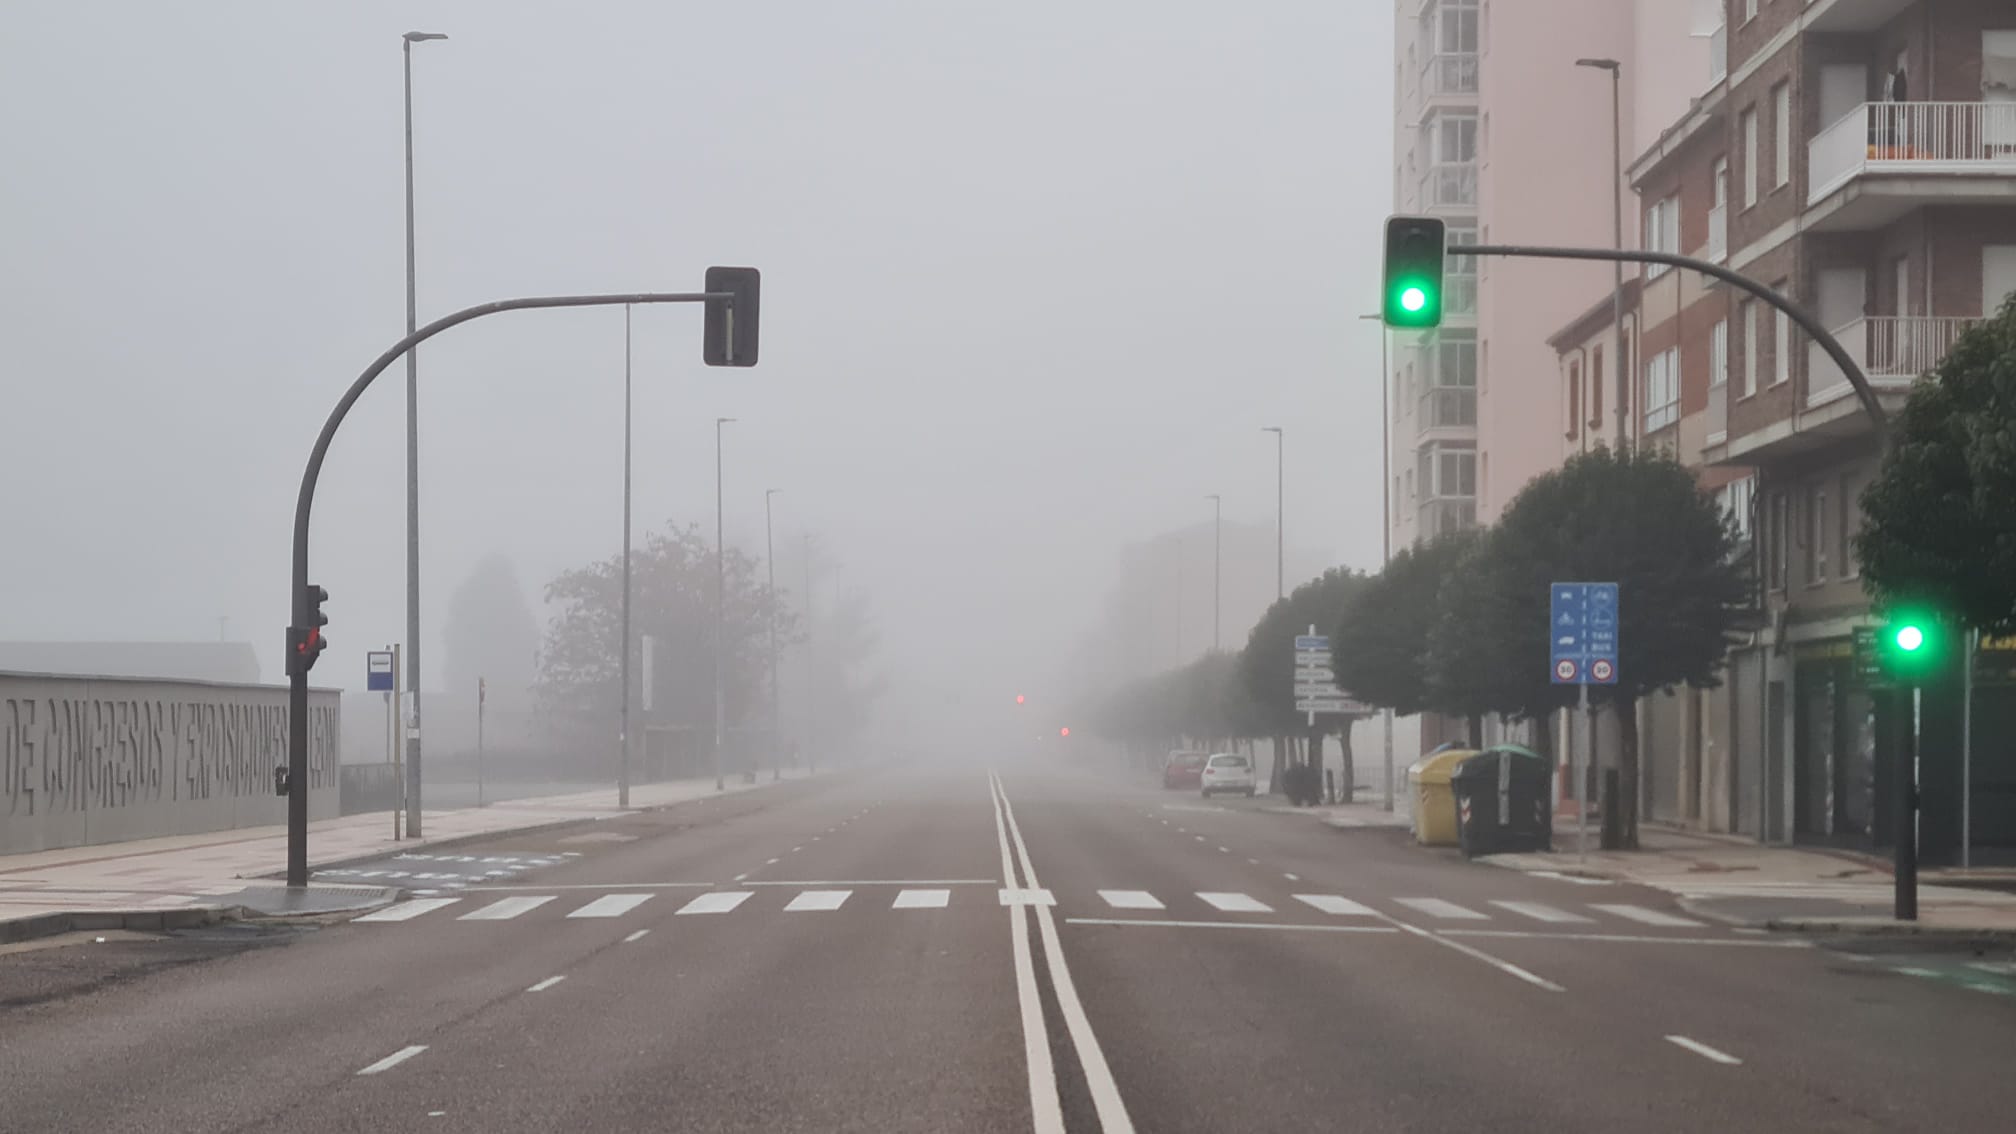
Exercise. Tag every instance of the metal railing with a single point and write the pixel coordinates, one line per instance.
(1444, 514)
(1912, 137)
(1447, 73)
(1892, 350)
(1446, 407)
(1449, 184)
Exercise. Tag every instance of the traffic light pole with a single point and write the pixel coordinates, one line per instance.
(1905, 865)
(297, 678)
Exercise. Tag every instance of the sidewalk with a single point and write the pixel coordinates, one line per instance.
(1741, 882)
(1352, 815)
(193, 879)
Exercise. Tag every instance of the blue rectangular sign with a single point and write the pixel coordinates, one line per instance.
(1582, 633)
(378, 671)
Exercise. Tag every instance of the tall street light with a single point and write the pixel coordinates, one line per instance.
(720, 602)
(1280, 513)
(623, 764)
(1385, 513)
(1217, 563)
(770, 561)
(1616, 70)
(412, 468)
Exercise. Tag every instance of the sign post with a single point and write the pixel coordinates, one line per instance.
(1582, 651)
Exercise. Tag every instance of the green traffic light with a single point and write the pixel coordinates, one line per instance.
(1910, 638)
(1413, 299)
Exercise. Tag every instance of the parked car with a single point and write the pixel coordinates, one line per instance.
(1227, 771)
(1184, 769)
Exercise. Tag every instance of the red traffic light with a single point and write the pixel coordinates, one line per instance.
(1063, 732)
(1019, 698)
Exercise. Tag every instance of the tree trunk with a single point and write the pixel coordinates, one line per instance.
(1274, 766)
(1543, 737)
(1347, 783)
(1476, 730)
(1627, 773)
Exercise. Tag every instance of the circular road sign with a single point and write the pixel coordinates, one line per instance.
(1602, 670)
(1565, 669)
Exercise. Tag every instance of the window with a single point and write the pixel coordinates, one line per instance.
(1719, 183)
(1662, 232)
(1410, 486)
(1746, 378)
(1453, 138)
(1574, 400)
(1781, 340)
(1775, 537)
(1781, 132)
(1455, 363)
(1596, 388)
(1848, 525)
(1718, 355)
(1448, 470)
(1749, 129)
(1749, 10)
(1816, 535)
(1662, 390)
(1736, 497)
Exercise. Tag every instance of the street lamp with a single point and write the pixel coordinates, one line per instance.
(412, 467)
(1280, 511)
(1217, 563)
(770, 561)
(623, 762)
(720, 603)
(1385, 515)
(1616, 70)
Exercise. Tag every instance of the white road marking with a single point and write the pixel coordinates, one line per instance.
(741, 876)
(1229, 925)
(720, 901)
(1028, 897)
(1448, 911)
(1252, 862)
(1098, 1076)
(611, 905)
(637, 936)
(818, 900)
(504, 909)
(1199, 838)
(921, 899)
(771, 862)
(1704, 1051)
(795, 850)
(543, 985)
(594, 886)
(406, 911)
(1578, 879)
(1235, 903)
(1539, 912)
(1332, 904)
(1292, 877)
(1479, 954)
(1630, 938)
(1131, 900)
(1046, 1111)
(394, 1059)
(881, 882)
(1649, 916)
(1224, 850)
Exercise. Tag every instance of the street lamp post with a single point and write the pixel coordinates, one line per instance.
(412, 467)
(1217, 563)
(770, 562)
(1385, 518)
(623, 761)
(1280, 512)
(1616, 70)
(720, 604)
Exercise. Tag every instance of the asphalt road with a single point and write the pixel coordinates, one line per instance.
(908, 949)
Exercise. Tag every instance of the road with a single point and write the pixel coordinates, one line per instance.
(910, 949)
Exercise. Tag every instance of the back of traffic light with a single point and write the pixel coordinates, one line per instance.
(306, 642)
(1415, 251)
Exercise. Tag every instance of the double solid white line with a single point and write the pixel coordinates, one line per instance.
(1044, 1103)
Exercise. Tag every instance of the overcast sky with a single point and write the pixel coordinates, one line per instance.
(1035, 274)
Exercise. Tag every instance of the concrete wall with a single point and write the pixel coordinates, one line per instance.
(105, 759)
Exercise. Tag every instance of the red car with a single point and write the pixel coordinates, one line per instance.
(1184, 770)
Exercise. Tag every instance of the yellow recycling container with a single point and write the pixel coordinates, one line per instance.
(1434, 799)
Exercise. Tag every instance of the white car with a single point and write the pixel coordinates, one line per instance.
(1228, 771)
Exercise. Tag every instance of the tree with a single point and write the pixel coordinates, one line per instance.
(1939, 525)
(1490, 614)
(491, 634)
(1267, 664)
(1380, 645)
(1638, 519)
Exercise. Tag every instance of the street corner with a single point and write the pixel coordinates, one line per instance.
(315, 901)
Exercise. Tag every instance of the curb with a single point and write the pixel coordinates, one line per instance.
(157, 921)
(1888, 929)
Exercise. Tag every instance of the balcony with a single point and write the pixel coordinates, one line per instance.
(1718, 54)
(1886, 158)
(1445, 514)
(1450, 75)
(1717, 249)
(1450, 186)
(1448, 407)
(1717, 416)
(1893, 351)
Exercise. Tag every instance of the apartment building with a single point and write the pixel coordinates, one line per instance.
(1860, 156)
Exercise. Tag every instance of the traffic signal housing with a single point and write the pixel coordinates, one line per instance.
(1912, 647)
(1415, 251)
(306, 642)
(728, 330)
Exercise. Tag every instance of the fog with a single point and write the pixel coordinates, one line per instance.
(1035, 276)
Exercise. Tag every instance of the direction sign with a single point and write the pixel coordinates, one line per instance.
(378, 671)
(1317, 689)
(1582, 633)
(1334, 704)
(1312, 641)
(1312, 657)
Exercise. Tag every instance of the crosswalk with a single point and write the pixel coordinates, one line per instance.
(1203, 903)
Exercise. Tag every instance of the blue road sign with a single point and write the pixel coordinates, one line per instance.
(378, 671)
(1312, 641)
(1582, 633)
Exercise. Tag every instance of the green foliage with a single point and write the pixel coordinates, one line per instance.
(1204, 702)
(1379, 646)
(1267, 664)
(1487, 646)
(1939, 520)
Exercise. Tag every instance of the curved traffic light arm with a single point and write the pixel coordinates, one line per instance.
(297, 682)
(1866, 394)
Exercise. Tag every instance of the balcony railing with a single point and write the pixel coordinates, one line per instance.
(1447, 407)
(1442, 515)
(1915, 138)
(1893, 351)
(1718, 54)
(1717, 417)
(1718, 234)
(1459, 296)
(1450, 185)
(1450, 74)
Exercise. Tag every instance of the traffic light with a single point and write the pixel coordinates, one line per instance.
(1064, 732)
(1414, 255)
(728, 330)
(1912, 646)
(1020, 699)
(307, 641)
